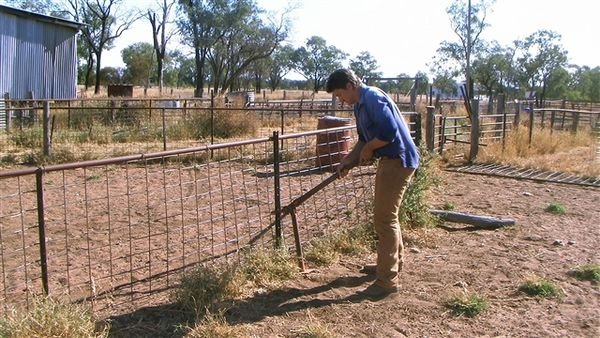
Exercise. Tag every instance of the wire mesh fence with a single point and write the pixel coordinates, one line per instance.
(120, 232)
(75, 130)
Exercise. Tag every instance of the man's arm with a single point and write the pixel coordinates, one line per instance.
(368, 149)
(351, 160)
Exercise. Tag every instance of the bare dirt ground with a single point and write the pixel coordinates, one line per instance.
(440, 263)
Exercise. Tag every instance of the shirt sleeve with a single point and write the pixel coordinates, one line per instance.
(383, 119)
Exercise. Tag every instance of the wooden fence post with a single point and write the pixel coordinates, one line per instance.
(531, 124)
(517, 119)
(575, 122)
(8, 112)
(475, 130)
(416, 119)
(430, 128)
(46, 128)
(501, 112)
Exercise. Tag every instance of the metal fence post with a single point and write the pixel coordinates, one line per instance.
(277, 191)
(164, 128)
(39, 183)
(212, 117)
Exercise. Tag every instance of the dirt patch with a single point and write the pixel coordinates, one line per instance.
(440, 263)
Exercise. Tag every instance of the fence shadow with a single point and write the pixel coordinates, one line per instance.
(169, 321)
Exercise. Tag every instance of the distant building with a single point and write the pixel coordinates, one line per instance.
(38, 55)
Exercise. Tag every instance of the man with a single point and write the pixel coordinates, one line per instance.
(382, 134)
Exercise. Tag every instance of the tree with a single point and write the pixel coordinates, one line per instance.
(228, 36)
(558, 84)
(161, 35)
(490, 70)
(445, 84)
(584, 84)
(364, 65)
(139, 59)
(244, 38)
(46, 7)
(111, 75)
(102, 26)
(317, 60)
(590, 83)
(423, 85)
(280, 64)
(467, 22)
(179, 69)
(540, 55)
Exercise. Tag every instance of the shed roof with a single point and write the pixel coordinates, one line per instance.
(41, 17)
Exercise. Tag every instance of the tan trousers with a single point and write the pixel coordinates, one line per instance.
(391, 182)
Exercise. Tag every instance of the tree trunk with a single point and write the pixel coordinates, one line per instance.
(97, 75)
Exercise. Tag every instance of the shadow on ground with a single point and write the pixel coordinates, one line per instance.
(169, 321)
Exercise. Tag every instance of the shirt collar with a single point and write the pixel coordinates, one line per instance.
(362, 90)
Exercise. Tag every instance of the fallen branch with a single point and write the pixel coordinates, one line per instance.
(477, 220)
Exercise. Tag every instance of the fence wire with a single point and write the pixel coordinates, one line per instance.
(120, 232)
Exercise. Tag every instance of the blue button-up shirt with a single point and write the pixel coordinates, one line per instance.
(377, 116)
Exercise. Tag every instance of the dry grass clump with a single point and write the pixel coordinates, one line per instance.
(49, 317)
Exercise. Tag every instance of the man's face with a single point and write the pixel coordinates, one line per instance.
(348, 95)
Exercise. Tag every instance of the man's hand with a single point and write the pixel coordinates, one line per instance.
(366, 154)
(343, 169)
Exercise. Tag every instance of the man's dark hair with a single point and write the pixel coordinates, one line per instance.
(339, 78)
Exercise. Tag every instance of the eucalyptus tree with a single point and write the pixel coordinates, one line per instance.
(538, 56)
(46, 7)
(588, 83)
(104, 22)
(163, 31)
(468, 21)
(139, 61)
(317, 60)
(179, 69)
(228, 36)
(279, 65)
(364, 65)
(491, 69)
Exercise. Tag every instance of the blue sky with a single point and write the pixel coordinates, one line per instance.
(403, 35)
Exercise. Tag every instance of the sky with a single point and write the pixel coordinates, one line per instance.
(403, 35)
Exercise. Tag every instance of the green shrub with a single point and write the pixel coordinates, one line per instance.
(28, 137)
(414, 211)
(556, 208)
(539, 287)
(589, 272)
(467, 304)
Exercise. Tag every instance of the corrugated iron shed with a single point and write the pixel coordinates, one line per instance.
(38, 54)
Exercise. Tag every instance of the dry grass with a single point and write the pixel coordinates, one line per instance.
(555, 151)
(49, 317)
